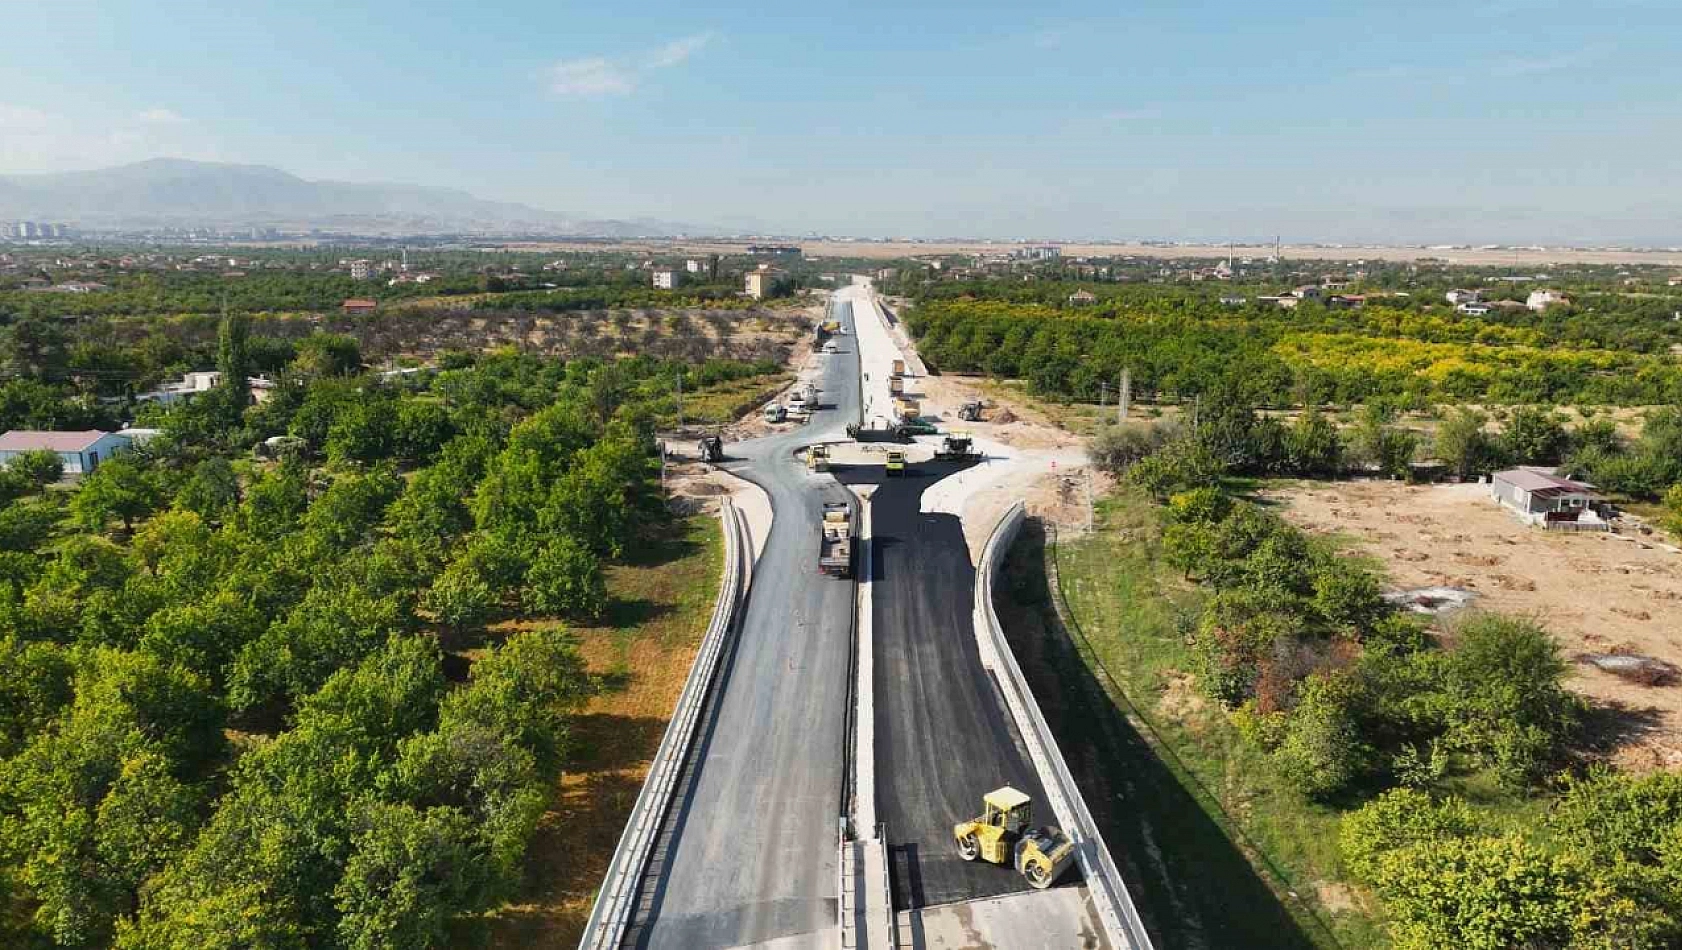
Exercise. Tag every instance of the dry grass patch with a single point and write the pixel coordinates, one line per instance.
(642, 653)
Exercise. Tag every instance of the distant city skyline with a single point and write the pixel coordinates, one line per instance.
(1495, 121)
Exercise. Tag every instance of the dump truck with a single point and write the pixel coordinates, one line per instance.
(896, 463)
(896, 385)
(906, 408)
(899, 367)
(970, 411)
(835, 546)
(774, 412)
(710, 449)
(817, 458)
(1004, 834)
(957, 446)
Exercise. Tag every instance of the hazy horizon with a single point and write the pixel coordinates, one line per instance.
(1508, 121)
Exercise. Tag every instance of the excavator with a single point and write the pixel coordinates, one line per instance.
(1003, 834)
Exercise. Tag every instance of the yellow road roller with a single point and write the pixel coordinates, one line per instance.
(1004, 835)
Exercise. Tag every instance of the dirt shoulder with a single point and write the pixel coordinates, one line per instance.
(1596, 593)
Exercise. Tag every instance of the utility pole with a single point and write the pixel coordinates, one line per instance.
(1124, 395)
(680, 398)
(1089, 500)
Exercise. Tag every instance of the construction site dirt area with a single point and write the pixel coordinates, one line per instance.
(1599, 594)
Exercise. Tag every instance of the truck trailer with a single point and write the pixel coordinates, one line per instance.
(835, 545)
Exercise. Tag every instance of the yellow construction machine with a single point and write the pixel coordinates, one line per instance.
(1003, 835)
(896, 463)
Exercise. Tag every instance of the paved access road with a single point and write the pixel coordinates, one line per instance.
(944, 736)
(751, 853)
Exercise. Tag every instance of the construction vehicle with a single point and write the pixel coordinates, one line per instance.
(896, 385)
(899, 367)
(970, 411)
(774, 412)
(912, 427)
(896, 463)
(905, 408)
(817, 458)
(957, 447)
(710, 449)
(1004, 835)
(835, 546)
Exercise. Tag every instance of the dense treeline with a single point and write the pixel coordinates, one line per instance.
(1365, 709)
(1375, 354)
(239, 708)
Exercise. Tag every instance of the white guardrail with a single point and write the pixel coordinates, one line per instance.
(1113, 903)
(614, 903)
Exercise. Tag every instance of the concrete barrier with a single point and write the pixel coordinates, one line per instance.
(1110, 898)
(618, 896)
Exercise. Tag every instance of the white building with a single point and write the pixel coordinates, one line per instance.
(1473, 308)
(1464, 296)
(665, 279)
(191, 384)
(359, 270)
(694, 266)
(758, 284)
(1541, 300)
(1539, 496)
(81, 452)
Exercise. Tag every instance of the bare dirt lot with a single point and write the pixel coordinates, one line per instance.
(1597, 593)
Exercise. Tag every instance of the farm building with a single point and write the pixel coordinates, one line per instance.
(1540, 496)
(81, 452)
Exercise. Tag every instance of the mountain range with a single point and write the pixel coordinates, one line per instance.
(171, 192)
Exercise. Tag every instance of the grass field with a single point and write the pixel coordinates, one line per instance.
(641, 652)
(1217, 851)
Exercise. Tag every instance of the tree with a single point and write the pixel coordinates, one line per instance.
(1534, 436)
(1503, 697)
(566, 579)
(423, 427)
(1462, 442)
(212, 492)
(1322, 751)
(327, 354)
(119, 489)
(411, 872)
(460, 597)
(526, 690)
(40, 466)
(233, 358)
(1312, 446)
(1398, 819)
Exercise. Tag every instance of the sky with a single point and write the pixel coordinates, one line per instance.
(1513, 121)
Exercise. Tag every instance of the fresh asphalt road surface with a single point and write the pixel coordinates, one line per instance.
(944, 736)
(752, 853)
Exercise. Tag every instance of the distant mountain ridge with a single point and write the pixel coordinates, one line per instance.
(181, 193)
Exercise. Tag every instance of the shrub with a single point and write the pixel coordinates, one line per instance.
(1397, 819)
(1322, 752)
(1503, 697)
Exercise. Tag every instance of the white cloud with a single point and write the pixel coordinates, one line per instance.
(161, 116)
(678, 50)
(589, 78)
(595, 77)
(1548, 63)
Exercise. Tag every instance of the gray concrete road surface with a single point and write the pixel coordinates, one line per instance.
(748, 854)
